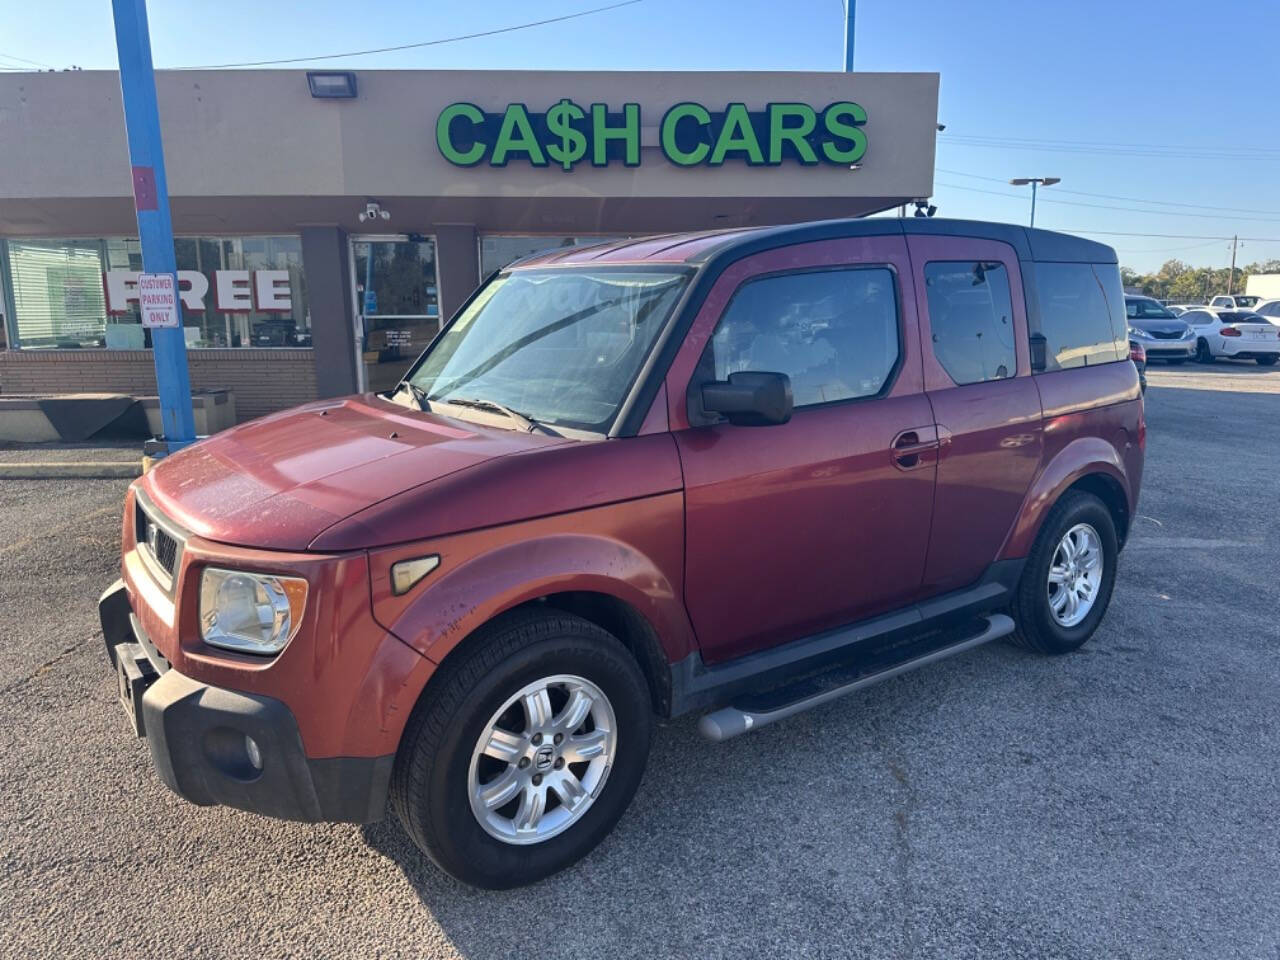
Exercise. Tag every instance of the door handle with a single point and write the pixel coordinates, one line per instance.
(910, 444)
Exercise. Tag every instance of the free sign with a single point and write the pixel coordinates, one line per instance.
(158, 299)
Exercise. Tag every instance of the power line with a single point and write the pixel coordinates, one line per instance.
(1181, 154)
(1110, 196)
(34, 63)
(1108, 206)
(1108, 144)
(414, 46)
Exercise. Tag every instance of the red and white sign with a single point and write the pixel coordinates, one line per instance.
(158, 298)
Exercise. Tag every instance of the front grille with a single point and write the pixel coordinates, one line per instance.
(1162, 335)
(158, 542)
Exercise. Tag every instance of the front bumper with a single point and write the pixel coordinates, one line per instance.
(1169, 349)
(198, 738)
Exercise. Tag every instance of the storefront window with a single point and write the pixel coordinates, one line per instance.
(235, 292)
(496, 251)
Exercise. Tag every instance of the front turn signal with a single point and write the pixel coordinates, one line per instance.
(406, 574)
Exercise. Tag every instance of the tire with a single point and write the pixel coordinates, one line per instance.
(1036, 626)
(1267, 361)
(438, 766)
(1203, 353)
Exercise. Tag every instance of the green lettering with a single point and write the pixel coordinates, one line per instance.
(444, 134)
(780, 132)
(671, 121)
(602, 133)
(844, 121)
(516, 136)
(737, 135)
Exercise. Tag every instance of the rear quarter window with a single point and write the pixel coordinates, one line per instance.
(1082, 314)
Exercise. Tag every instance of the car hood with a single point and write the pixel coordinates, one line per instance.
(1159, 325)
(279, 482)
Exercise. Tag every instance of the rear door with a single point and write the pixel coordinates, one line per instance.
(977, 373)
(797, 528)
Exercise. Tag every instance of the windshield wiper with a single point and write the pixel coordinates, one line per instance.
(419, 395)
(527, 423)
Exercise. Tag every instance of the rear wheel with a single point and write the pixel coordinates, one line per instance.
(1267, 361)
(1067, 582)
(1203, 353)
(526, 753)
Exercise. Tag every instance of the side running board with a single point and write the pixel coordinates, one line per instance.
(761, 711)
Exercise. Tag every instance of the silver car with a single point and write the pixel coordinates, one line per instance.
(1162, 335)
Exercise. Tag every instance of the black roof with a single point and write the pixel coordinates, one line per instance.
(1030, 244)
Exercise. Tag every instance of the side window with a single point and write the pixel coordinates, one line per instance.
(833, 332)
(971, 316)
(1076, 318)
(1196, 318)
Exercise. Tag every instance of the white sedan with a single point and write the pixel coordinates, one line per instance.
(1235, 334)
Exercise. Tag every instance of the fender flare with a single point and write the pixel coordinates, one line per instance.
(1078, 459)
(486, 586)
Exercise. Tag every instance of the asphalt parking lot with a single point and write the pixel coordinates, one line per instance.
(1123, 801)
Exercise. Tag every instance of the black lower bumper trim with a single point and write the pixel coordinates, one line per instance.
(212, 746)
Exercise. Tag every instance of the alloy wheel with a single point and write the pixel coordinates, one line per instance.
(542, 759)
(1075, 575)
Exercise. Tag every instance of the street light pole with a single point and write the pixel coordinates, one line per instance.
(849, 6)
(151, 202)
(1035, 182)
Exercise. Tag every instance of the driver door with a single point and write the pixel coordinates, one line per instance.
(800, 527)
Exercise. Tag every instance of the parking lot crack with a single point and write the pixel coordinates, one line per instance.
(47, 665)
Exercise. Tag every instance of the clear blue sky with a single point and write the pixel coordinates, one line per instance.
(1197, 81)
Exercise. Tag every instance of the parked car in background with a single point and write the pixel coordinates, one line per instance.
(1139, 357)
(1269, 309)
(1234, 334)
(1162, 335)
(1178, 309)
(736, 473)
(1234, 302)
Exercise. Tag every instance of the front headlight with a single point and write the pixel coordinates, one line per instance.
(250, 612)
(1139, 334)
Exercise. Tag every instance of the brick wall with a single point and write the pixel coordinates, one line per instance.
(263, 380)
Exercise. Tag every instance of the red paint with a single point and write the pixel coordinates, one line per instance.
(993, 433)
(724, 539)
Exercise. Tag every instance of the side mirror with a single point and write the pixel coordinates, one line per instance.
(1039, 346)
(750, 399)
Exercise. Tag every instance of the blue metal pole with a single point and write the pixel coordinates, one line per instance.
(151, 201)
(849, 6)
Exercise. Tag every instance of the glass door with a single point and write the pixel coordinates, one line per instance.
(397, 305)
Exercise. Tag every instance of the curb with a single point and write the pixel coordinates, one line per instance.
(84, 469)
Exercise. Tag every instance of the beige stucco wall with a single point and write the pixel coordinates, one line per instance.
(231, 136)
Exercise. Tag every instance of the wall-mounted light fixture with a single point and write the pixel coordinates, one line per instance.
(332, 86)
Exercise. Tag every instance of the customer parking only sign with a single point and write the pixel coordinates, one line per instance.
(158, 298)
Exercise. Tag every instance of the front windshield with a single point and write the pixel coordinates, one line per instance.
(1147, 310)
(560, 346)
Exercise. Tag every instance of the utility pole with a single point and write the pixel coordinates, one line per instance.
(1231, 277)
(849, 6)
(151, 202)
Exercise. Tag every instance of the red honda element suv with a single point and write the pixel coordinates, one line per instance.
(736, 473)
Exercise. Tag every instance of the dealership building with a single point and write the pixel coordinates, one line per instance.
(325, 224)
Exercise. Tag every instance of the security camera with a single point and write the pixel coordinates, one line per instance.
(373, 211)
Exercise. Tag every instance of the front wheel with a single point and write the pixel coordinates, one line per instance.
(1203, 353)
(526, 752)
(1067, 582)
(1267, 361)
